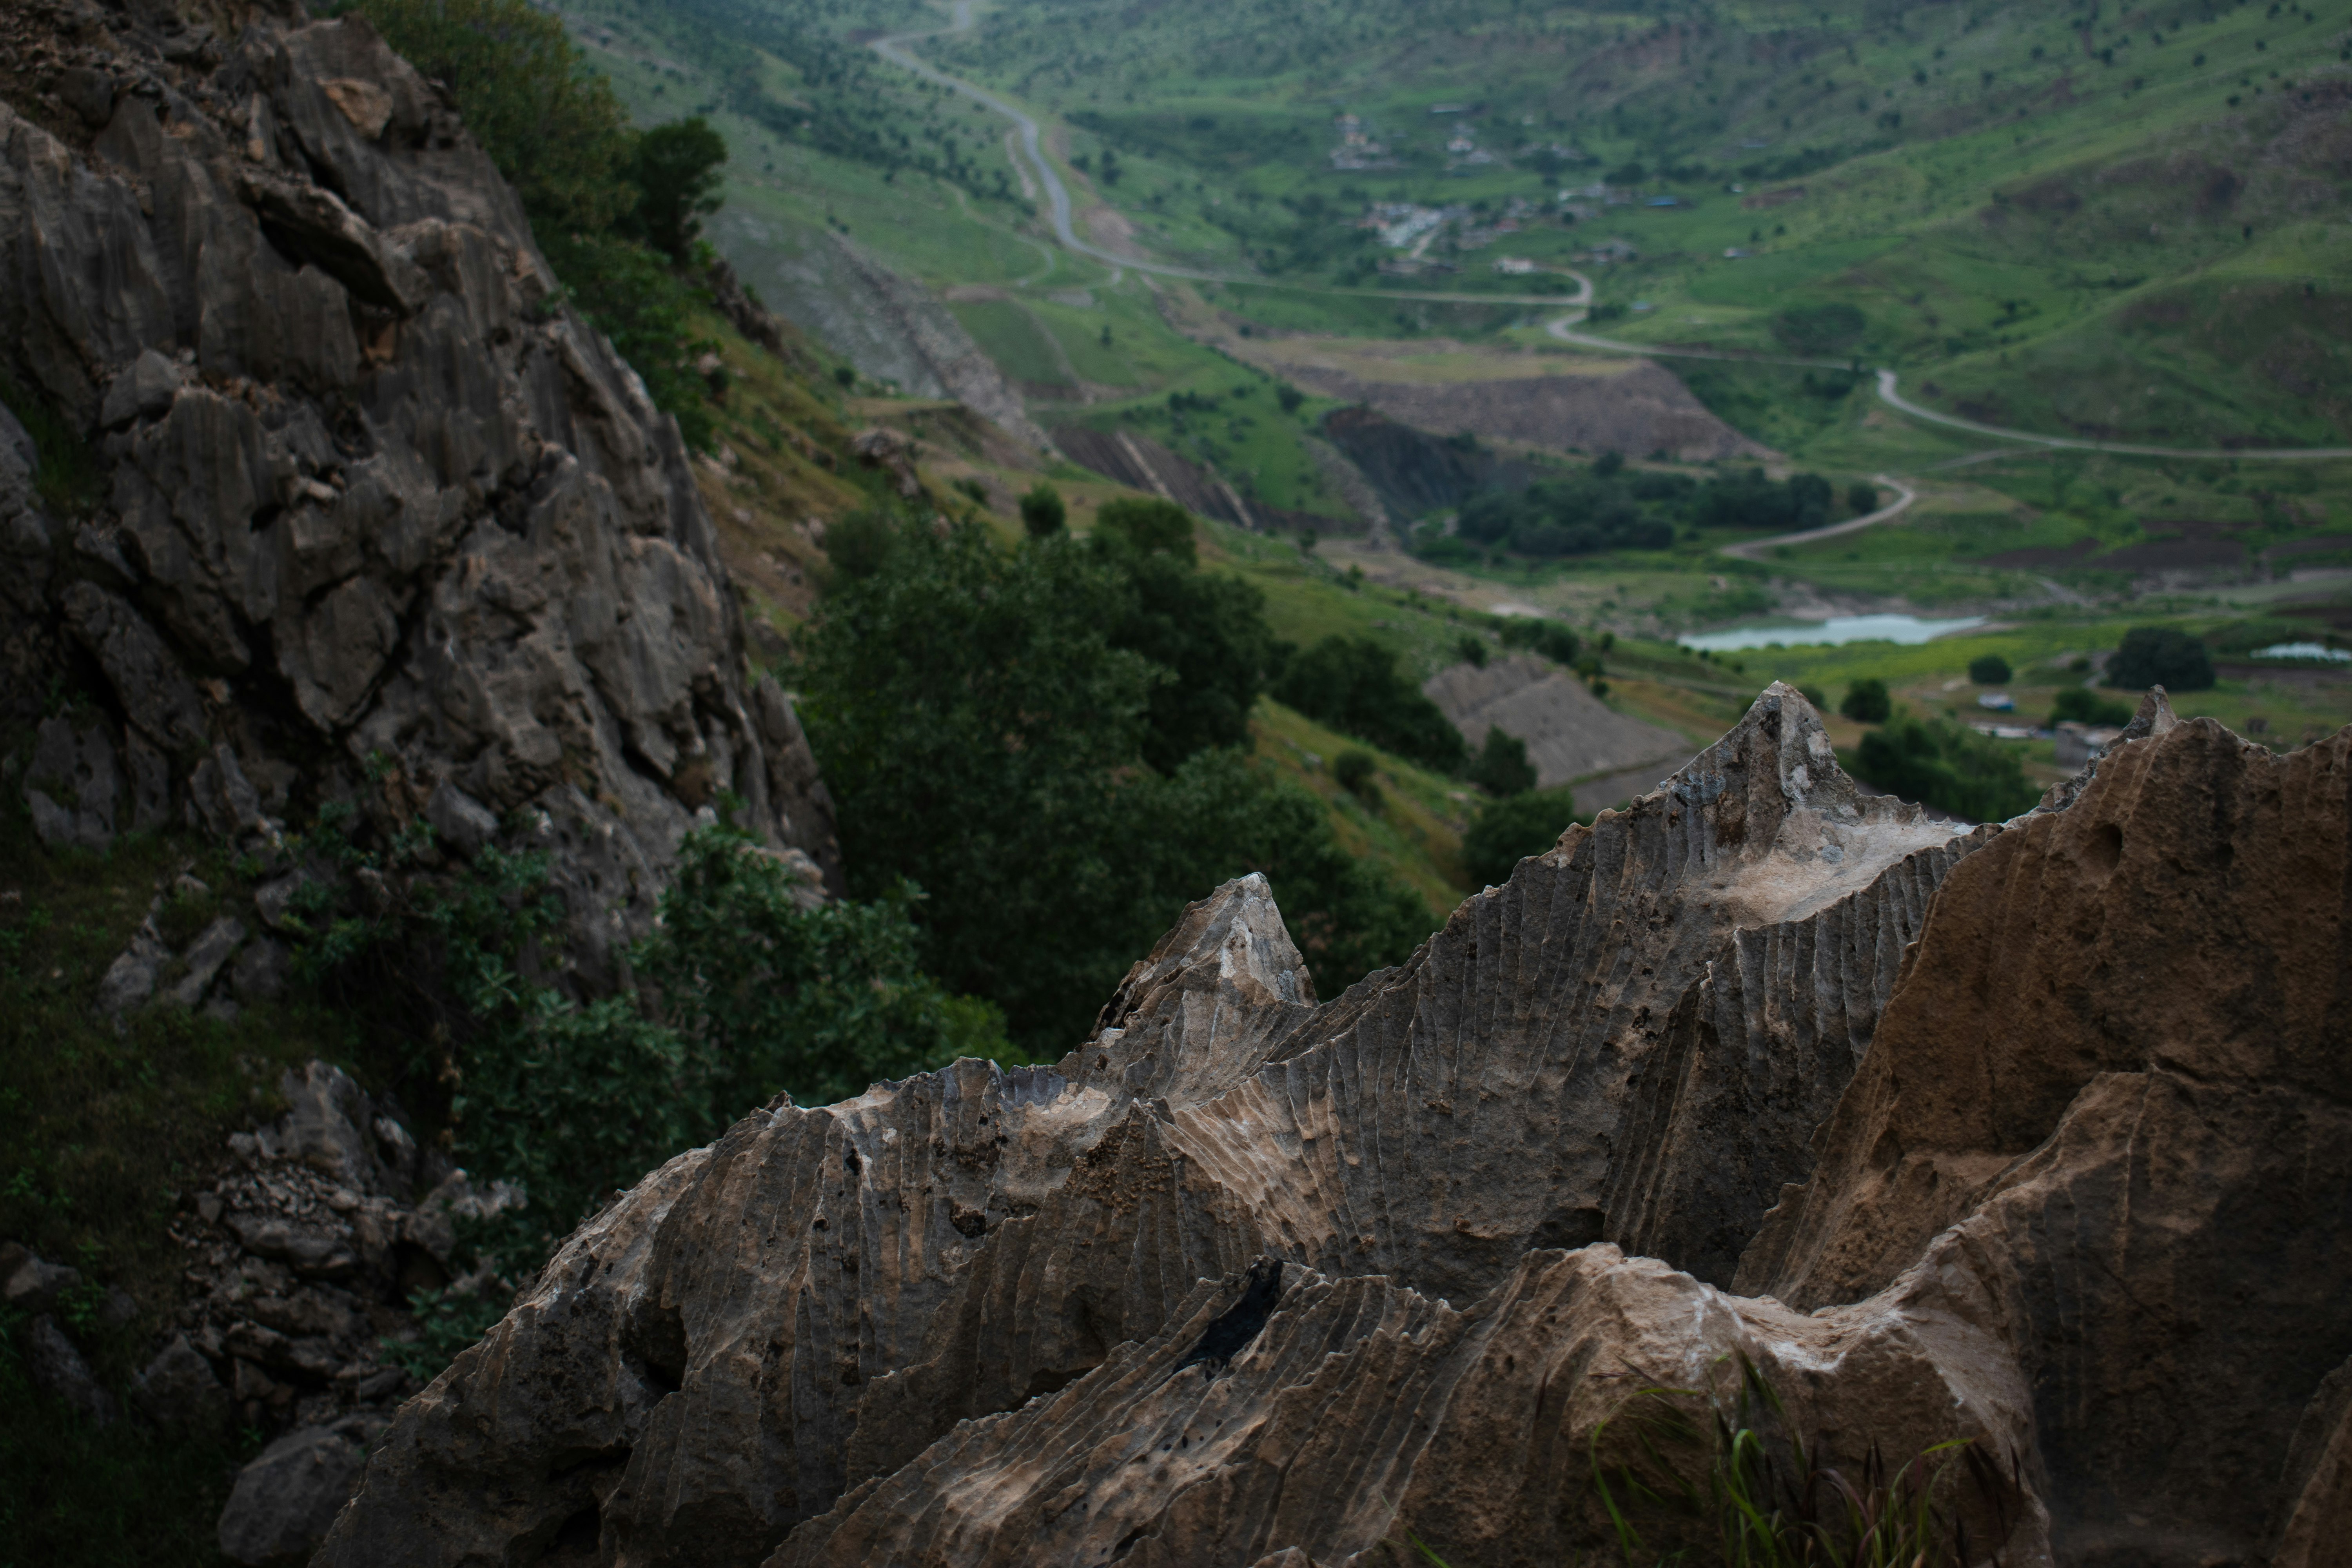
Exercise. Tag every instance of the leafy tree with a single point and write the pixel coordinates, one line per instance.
(556, 131)
(985, 724)
(1548, 637)
(2076, 705)
(774, 996)
(1862, 498)
(971, 713)
(1042, 512)
(1472, 650)
(1290, 396)
(1218, 817)
(1508, 830)
(1866, 701)
(1352, 684)
(1207, 631)
(554, 128)
(678, 172)
(1816, 696)
(2160, 656)
(1989, 669)
(1501, 767)
(1941, 764)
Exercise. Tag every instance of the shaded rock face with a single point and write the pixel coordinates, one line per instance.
(377, 518)
(1632, 1043)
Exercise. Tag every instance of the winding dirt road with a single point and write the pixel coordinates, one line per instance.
(1030, 141)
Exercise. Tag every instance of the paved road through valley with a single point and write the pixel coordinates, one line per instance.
(1058, 212)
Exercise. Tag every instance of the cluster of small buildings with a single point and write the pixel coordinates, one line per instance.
(1356, 148)
(2077, 742)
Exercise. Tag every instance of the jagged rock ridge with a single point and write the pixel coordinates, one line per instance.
(1630, 1045)
(378, 518)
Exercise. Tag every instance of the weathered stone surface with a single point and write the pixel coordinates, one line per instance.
(284, 1500)
(73, 788)
(2117, 1082)
(213, 947)
(953, 1246)
(57, 1369)
(350, 457)
(2053, 1114)
(31, 1284)
(179, 1391)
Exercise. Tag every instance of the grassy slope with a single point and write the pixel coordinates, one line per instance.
(1988, 184)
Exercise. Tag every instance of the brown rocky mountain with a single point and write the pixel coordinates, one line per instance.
(373, 518)
(2036, 1134)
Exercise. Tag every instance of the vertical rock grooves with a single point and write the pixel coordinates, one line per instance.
(832, 1290)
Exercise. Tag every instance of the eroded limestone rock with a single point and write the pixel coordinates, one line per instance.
(365, 497)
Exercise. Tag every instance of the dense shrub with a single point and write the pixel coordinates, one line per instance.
(1549, 638)
(1501, 767)
(1866, 701)
(2160, 656)
(1577, 515)
(615, 211)
(1042, 512)
(1507, 831)
(1353, 768)
(2078, 705)
(1352, 685)
(1751, 500)
(1940, 764)
(986, 720)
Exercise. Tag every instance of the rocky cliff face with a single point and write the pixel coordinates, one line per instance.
(2019, 1126)
(374, 516)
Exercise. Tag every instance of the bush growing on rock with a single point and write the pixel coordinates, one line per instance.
(613, 209)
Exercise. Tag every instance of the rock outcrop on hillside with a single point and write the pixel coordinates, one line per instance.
(2034, 1134)
(370, 515)
(1570, 733)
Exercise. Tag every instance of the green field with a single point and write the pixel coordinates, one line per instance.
(2082, 223)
